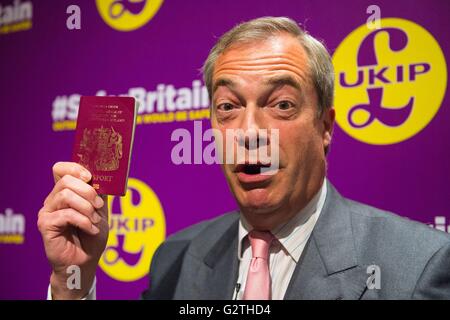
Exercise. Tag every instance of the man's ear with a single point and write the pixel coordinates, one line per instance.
(327, 120)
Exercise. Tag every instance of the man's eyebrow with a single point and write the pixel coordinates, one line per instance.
(276, 81)
(279, 81)
(223, 82)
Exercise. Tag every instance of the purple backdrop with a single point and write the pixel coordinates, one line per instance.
(49, 61)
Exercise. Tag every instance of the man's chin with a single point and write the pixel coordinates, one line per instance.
(258, 201)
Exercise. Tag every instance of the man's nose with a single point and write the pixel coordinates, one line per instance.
(254, 128)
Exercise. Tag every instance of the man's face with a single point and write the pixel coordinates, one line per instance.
(267, 85)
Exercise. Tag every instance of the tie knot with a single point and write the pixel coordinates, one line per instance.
(260, 242)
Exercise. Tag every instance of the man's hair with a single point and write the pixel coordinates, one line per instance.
(319, 60)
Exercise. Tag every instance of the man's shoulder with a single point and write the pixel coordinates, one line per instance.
(413, 257)
(404, 228)
(200, 237)
(388, 232)
(205, 229)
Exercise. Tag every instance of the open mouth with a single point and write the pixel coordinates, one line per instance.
(251, 169)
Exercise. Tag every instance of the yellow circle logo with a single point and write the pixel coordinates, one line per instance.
(136, 228)
(390, 82)
(127, 15)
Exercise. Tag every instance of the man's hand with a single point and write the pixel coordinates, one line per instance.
(74, 226)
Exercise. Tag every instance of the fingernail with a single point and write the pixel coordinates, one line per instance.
(95, 229)
(96, 217)
(98, 202)
(85, 175)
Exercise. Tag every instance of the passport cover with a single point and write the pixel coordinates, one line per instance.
(104, 139)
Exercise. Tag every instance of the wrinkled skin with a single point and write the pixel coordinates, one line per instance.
(265, 85)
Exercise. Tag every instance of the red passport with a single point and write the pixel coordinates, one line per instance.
(104, 139)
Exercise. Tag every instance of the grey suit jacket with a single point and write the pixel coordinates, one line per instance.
(413, 260)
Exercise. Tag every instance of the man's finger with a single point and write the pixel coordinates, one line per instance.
(79, 187)
(66, 198)
(60, 169)
(68, 216)
(103, 211)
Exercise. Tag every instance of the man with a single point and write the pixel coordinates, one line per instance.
(294, 236)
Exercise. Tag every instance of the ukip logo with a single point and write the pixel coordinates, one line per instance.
(390, 82)
(127, 15)
(136, 228)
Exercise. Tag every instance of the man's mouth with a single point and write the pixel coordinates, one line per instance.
(251, 169)
(254, 174)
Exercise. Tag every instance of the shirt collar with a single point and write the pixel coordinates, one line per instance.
(294, 233)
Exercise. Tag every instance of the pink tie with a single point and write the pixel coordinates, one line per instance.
(258, 284)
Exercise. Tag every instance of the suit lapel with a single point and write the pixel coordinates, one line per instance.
(221, 266)
(328, 267)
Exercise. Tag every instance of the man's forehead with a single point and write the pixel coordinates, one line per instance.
(278, 56)
(278, 46)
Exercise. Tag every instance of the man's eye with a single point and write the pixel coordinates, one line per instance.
(225, 107)
(284, 105)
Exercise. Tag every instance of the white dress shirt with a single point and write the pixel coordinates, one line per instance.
(285, 251)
